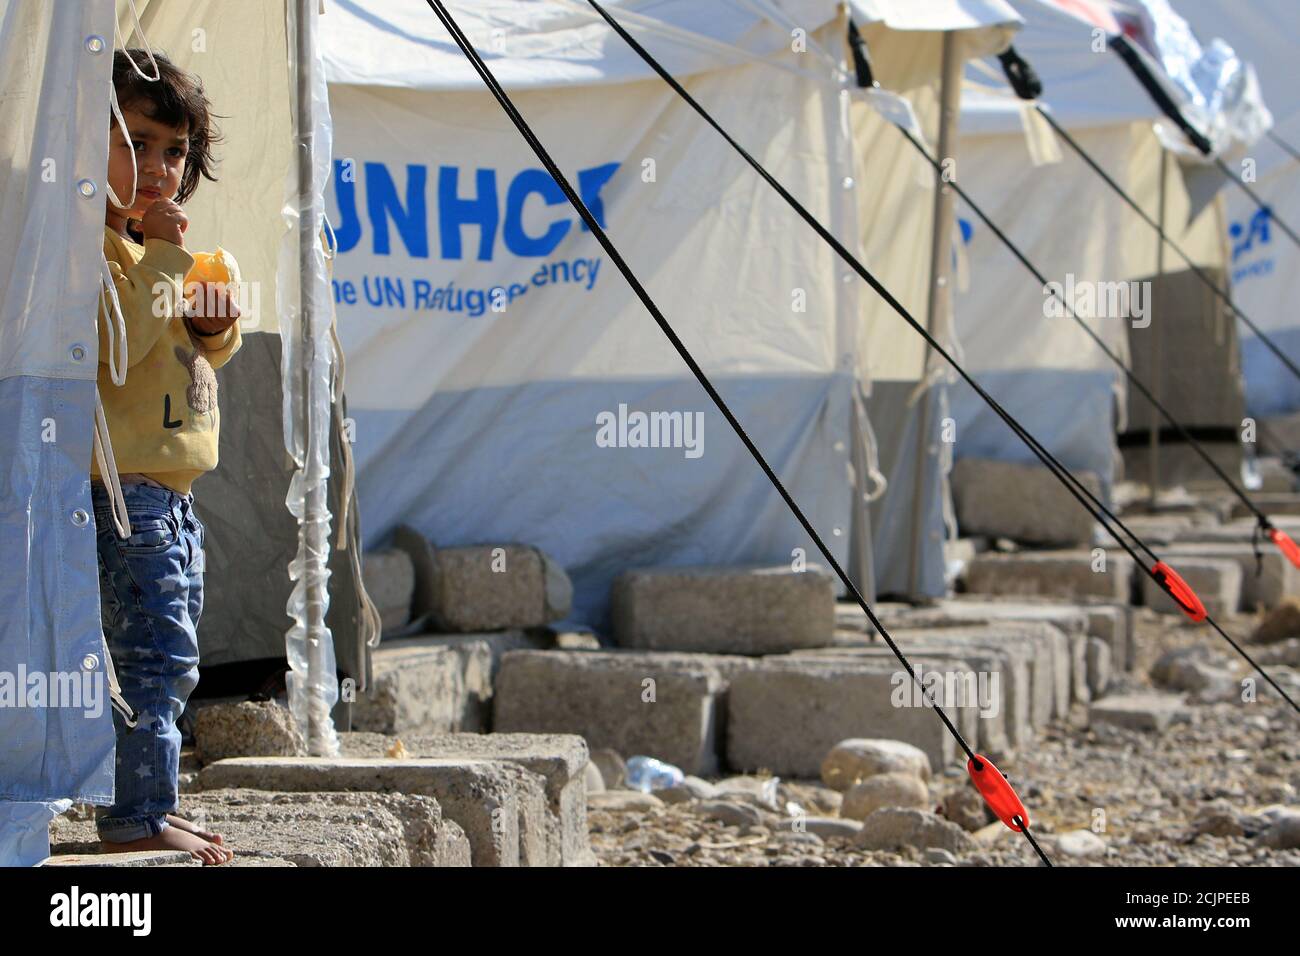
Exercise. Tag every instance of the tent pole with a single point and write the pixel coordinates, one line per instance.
(939, 308)
(312, 530)
(1153, 434)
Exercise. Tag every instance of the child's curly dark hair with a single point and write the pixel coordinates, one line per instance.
(175, 98)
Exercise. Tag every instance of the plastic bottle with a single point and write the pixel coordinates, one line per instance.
(646, 774)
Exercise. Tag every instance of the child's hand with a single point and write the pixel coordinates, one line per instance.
(165, 220)
(214, 308)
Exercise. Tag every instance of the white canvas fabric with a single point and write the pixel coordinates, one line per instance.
(1264, 262)
(53, 202)
(1080, 234)
(475, 425)
(534, 44)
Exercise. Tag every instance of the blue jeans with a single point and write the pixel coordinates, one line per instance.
(151, 596)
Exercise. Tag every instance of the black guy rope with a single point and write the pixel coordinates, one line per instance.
(1196, 270)
(1137, 383)
(526, 132)
(1161, 573)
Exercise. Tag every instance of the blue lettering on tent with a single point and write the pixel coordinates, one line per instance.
(590, 183)
(1244, 235)
(382, 202)
(454, 212)
(408, 212)
(519, 242)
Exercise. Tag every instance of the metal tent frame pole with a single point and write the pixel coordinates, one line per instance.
(313, 530)
(1153, 434)
(939, 307)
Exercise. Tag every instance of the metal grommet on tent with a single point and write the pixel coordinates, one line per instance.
(96, 43)
(87, 188)
(78, 352)
(89, 662)
(80, 518)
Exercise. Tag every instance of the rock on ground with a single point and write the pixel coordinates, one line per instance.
(246, 729)
(884, 790)
(854, 760)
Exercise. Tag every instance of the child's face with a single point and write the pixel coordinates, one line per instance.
(160, 152)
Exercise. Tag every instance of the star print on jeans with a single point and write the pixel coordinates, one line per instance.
(143, 772)
(172, 585)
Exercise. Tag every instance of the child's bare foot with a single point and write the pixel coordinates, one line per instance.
(175, 838)
(192, 827)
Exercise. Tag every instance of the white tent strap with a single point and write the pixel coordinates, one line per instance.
(879, 483)
(135, 172)
(897, 110)
(1044, 146)
(639, 21)
(108, 470)
(114, 323)
(137, 30)
(370, 626)
(115, 690)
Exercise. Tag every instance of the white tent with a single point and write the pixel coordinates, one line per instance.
(56, 61)
(1038, 362)
(477, 424)
(1265, 277)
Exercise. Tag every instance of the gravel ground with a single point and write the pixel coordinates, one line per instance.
(1192, 795)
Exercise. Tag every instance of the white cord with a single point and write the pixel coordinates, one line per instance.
(137, 29)
(117, 345)
(121, 124)
(129, 716)
(874, 474)
(108, 470)
(332, 242)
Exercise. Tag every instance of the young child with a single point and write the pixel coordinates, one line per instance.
(163, 423)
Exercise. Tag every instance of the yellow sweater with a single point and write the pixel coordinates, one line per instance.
(164, 421)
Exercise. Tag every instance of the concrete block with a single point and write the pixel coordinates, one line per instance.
(667, 706)
(389, 578)
(1276, 578)
(496, 587)
(1060, 574)
(1216, 582)
(1146, 712)
(561, 760)
(301, 829)
(420, 551)
(1272, 504)
(786, 714)
(137, 858)
(500, 806)
(753, 610)
(997, 728)
(1112, 624)
(1025, 503)
(1275, 477)
(1039, 673)
(1079, 692)
(246, 729)
(331, 829)
(1099, 667)
(435, 683)
(1053, 675)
